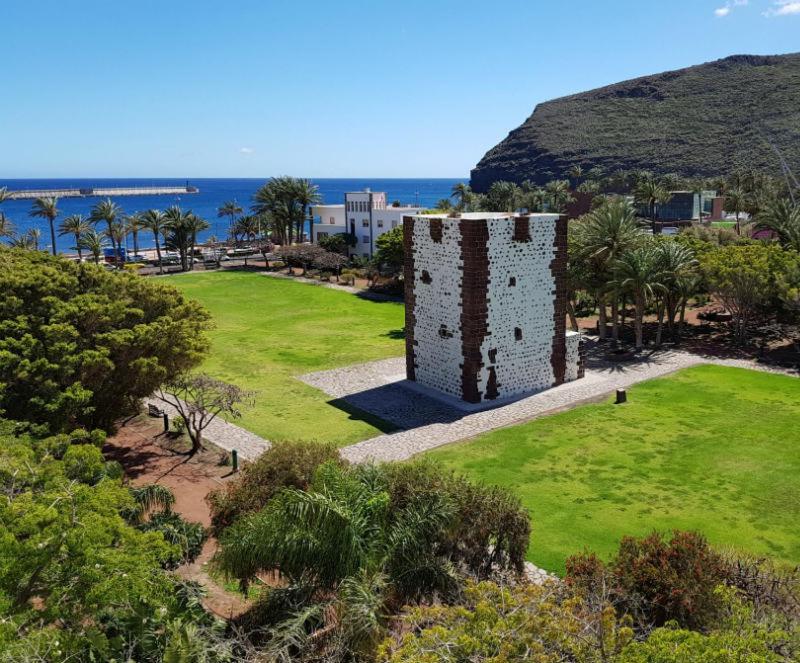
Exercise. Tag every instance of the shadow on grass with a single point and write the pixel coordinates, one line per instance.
(357, 414)
(396, 334)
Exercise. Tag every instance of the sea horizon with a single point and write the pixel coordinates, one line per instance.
(213, 192)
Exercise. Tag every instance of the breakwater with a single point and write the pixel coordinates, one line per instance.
(102, 192)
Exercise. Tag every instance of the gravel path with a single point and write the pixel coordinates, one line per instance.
(223, 434)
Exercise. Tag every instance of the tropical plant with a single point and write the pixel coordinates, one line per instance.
(156, 223)
(92, 241)
(284, 202)
(679, 280)
(306, 194)
(391, 252)
(182, 230)
(231, 209)
(782, 217)
(639, 273)
(133, 225)
(6, 227)
(601, 237)
(75, 225)
(502, 196)
(46, 208)
(461, 192)
(650, 192)
(106, 211)
(557, 195)
(736, 200)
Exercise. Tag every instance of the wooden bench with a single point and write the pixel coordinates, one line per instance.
(154, 411)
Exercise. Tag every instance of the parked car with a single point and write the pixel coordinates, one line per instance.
(670, 230)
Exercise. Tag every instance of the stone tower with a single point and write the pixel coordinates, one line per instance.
(486, 305)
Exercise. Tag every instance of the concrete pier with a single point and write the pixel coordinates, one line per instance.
(103, 192)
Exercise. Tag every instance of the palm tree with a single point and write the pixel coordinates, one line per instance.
(461, 192)
(306, 193)
(678, 266)
(558, 195)
(736, 200)
(602, 237)
(782, 217)
(92, 241)
(117, 232)
(344, 552)
(503, 196)
(231, 209)
(75, 225)
(107, 211)
(183, 228)
(34, 237)
(133, 224)
(195, 226)
(638, 273)
(648, 192)
(575, 173)
(155, 222)
(5, 194)
(6, 227)
(46, 208)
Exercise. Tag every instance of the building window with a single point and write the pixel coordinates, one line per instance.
(517, 334)
(380, 223)
(512, 281)
(394, 224)
(365, 239)
(365, 223)
(352, 221)
(426, 277)
(332, 220)
(366, 255)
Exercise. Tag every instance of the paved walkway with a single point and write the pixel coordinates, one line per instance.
(428, 423)
(223, 434)
(425, 422)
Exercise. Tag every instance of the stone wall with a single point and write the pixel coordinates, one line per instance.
(485, 305)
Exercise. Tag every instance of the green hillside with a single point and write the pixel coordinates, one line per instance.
(706, 120)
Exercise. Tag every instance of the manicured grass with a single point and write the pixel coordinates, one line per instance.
(723, 224)
(270, 330)
(711, 448)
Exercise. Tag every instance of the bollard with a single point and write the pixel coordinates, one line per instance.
(235, 460)
(622, 397)
(166, 423)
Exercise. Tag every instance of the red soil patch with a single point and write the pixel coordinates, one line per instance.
(140, 447)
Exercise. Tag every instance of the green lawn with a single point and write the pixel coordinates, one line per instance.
(268, 330)
(710, 448)
(723, 224)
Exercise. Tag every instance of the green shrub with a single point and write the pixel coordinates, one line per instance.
(189, 537)
(84, 463)
(657, 580)
(284, 465)
(492, 529)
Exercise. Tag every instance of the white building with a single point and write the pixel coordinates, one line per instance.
(365, 215)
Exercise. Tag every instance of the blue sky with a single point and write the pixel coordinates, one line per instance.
(253, 88)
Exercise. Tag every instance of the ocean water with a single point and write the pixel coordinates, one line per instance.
(213, 192)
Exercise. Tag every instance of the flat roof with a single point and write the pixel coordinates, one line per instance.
(480, 216)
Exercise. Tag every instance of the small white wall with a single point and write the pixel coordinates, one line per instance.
(573, 356)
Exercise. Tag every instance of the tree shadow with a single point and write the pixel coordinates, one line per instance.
(396, 334)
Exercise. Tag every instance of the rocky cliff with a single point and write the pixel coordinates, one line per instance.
(706, 120)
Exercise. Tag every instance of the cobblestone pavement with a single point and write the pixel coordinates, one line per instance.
(427, 423)
(223, 434)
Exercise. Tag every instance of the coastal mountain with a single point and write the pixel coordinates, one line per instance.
(705, 120)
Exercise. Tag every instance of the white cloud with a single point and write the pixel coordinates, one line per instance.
(246, 150)
(728, 7)
(783, 8)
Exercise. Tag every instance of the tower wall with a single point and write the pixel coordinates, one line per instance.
(486, 304)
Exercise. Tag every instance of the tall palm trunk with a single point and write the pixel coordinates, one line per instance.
(52, 221)
(615, 318)
(136, 242)
(601, 318)
(114, 251)
(78, 246)
(158, 253)
(639, 323)
(660, 329)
